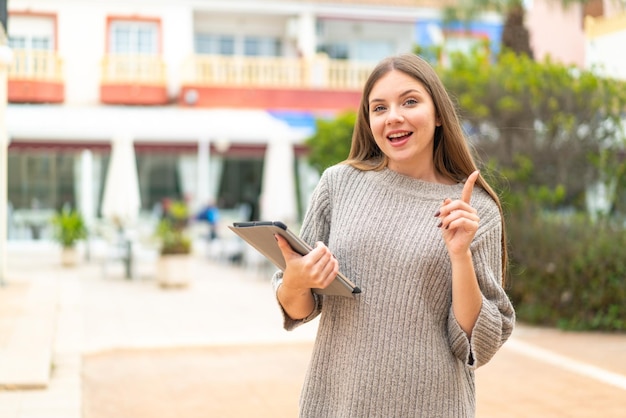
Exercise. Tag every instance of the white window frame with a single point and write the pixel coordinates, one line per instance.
(136, 42)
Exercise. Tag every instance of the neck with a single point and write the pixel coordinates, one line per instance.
(426, 172)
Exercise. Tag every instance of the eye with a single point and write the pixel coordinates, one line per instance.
(378, 108)
(410, 102)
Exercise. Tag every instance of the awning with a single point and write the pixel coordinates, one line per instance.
(151, 124)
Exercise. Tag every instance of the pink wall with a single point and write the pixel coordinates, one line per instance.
(556, 32)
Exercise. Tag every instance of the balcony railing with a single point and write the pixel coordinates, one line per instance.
(319, 72)
(133, 68)
(36, 65)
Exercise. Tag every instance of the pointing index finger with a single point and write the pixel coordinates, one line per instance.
(468, 188)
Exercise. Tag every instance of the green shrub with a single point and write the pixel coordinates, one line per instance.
(69, 227)
(567, 271)
(172, 229)
(332, 140)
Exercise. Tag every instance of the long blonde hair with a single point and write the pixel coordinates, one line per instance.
(451, 152)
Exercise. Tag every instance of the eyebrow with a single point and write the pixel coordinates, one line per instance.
(405, 93)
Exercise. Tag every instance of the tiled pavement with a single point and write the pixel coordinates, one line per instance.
(122, 348)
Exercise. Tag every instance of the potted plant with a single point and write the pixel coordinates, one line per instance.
(69, 228)
(175, 263)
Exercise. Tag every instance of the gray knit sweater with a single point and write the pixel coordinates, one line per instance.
(396, 350)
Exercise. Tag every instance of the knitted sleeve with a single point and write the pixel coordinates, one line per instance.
(497, 317)
(315, 227)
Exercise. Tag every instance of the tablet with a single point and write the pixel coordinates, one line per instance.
(260, 235)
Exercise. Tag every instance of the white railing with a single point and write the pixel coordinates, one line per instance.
(133, 68)
(317, 72)
(39, 65)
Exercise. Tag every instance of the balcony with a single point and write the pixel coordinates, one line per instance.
(36, 76)
(596, 27)
(272, 83)
(132, 79)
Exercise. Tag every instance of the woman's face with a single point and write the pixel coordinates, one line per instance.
(403, 119)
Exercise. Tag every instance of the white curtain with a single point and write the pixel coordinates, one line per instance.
(190, 183)
(85, 184)
(202, 191)
(278, 191)
(188, 176)
(215, 176)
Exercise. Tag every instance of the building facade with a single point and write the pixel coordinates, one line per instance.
(605, 36)
(202, 88)
(563, 33)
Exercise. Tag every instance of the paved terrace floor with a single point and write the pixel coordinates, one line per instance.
(75, 342)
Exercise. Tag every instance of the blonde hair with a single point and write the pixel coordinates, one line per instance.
(451, 152)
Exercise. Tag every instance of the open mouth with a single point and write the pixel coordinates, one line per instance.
(399, 136)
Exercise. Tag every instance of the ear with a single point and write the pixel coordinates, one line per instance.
(438, 121)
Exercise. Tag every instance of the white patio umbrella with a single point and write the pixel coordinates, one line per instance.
(121, 202)
(278, 191)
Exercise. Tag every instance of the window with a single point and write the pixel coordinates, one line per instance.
(337, 51)
(366, 51)
(39, 42)
(260, 46)
(31, 32)
(17, 42)
(223, 44)
(134, 37)
(41, 179)
(215, 44)
(373, 51)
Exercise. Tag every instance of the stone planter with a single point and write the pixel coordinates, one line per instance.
(69, 256)
(175, 270)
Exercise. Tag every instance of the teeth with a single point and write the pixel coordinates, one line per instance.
(394, 136)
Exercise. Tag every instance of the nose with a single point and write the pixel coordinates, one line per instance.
(394, 116)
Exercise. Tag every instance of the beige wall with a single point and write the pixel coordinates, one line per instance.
(556, 32)
(606, 38)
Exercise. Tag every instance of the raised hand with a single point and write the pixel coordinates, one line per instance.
(459, 220)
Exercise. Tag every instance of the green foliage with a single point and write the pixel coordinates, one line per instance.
(331, 142)
(431, 53)
(567, 271)
(177, 211)
(69, 227)
(516, 192)
(560, 117)
(549, 132)
(172, 229)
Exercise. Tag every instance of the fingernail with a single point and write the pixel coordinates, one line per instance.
(440, 225)
(437, 214)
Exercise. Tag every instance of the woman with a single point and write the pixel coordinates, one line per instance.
(403, 219)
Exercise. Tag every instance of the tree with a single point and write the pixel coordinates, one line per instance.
(566, 121)
(548, 132)
(515, 36)
(331, 142)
